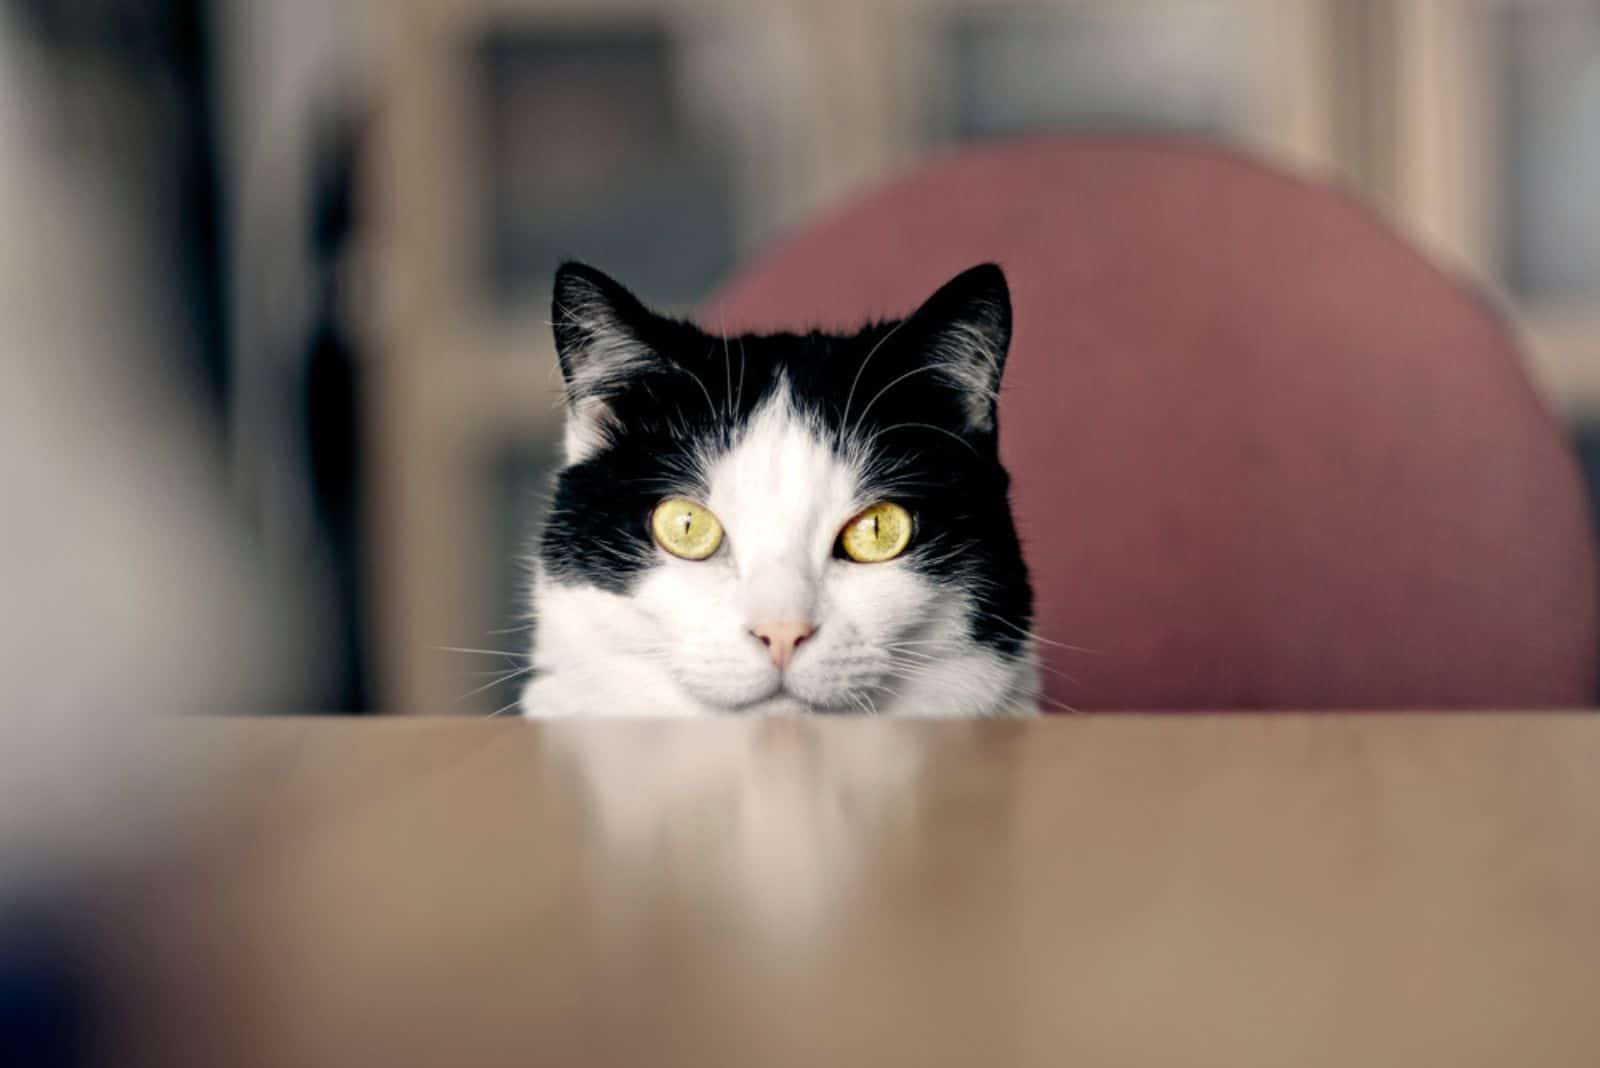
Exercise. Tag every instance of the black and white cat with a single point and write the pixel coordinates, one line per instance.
(781, 523)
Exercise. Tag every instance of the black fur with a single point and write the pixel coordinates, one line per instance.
(695, 389)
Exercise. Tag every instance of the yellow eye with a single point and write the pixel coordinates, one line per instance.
(880, 533)
(685, 528)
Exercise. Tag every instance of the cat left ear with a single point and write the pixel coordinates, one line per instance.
(965, 330)
(597, 326)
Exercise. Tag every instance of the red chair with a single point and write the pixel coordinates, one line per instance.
(1265, 454)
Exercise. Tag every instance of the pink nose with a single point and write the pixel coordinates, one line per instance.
(782, 639)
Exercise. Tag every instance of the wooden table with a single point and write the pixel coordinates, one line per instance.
(1087, 891)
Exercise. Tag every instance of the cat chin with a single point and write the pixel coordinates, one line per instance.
(787, 704)
(762, 693)
(794, 695)
(1009, 687)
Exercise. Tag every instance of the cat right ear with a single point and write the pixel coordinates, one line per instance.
(597, 326)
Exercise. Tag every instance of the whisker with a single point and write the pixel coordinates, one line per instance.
(711, 405)
(957, 438)
(740, 404)
(963, 691)
(505, 708)
(1060, 706)
(480, 652)
(879, 396)
(727, 375)
(1057, 672)
(891, 691)
(1041, 639)
(492, 683)
(921, 658)
(844, 419)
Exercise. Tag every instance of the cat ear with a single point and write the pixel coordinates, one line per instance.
(598, 330)
(965, 331)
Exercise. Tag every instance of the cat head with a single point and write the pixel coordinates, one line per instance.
(785, 522)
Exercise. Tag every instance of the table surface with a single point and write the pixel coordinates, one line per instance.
(1264, 890)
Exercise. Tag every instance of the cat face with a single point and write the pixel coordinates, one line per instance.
(780, 523)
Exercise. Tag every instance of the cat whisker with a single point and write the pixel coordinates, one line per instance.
(891, 691)
(914, 654)
(962, 690)
(844, 419)
(500, 681)
(949, 556)
(961, 693)
(711, 405)
(880, 394)
(903, 656)
(741, 374)
(1041, 639)
(481, 652)
(727, 377)
(957, 438)
(1060, 706)
(1057, 672)
(505, 708)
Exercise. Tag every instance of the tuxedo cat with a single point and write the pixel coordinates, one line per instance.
(783, 523)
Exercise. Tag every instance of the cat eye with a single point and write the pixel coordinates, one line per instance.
(880, 533)
(685, 529)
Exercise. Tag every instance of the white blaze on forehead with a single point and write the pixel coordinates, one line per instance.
(782, 493)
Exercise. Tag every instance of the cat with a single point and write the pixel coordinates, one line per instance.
(782, 523)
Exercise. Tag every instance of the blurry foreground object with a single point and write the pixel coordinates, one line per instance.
(1265, 455)
(129, 582)
(44, 1012)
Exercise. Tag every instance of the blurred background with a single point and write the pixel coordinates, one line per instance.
(279, 403)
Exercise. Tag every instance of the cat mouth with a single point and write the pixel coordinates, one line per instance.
(784, 701)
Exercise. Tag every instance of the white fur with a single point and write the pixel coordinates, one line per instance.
(887, 640)
(967, 358)
(611, 355)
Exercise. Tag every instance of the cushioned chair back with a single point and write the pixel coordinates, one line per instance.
(1265, 455)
